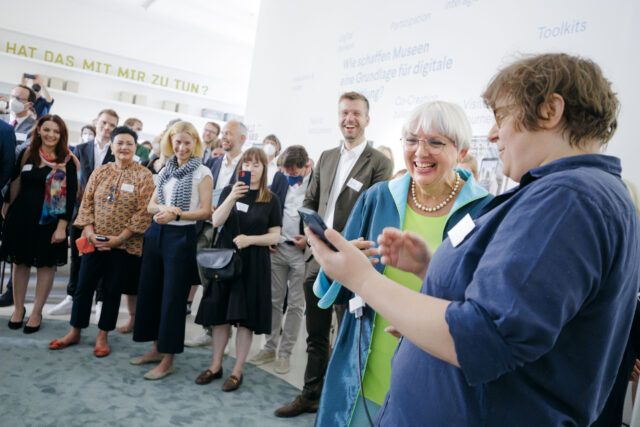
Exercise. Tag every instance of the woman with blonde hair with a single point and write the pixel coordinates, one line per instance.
(182, 197)
(251, 219)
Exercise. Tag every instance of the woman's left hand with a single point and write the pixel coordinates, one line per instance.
(111, 243)
(349, 266)
(164, 217)
(242, 241)
(59, 235)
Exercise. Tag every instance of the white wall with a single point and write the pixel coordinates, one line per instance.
(304, 55)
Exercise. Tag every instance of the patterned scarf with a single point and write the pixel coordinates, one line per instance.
(55, 189)
(181, 195)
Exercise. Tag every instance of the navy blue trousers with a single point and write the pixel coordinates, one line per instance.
(112, 267)
(167, 273)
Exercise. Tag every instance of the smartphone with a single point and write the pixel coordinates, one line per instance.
(316, 224)
(102, 238)
(245, 176)
(29, 76)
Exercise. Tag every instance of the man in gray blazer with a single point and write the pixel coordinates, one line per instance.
(340, 176)
(20, 106)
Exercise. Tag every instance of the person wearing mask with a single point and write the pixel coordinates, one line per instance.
(251, 220)
(142, 152)
(340, 176)
(44, 100)
(87, 133)
(524, 312)
(224, 170)
(287, 262)
(113, 216)
(182, 197)
(21, 104)
(210, 139)
(272, 147)
(428, 201)
(43, 195)
(91, 154)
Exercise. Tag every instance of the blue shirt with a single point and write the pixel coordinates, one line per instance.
(543, 290)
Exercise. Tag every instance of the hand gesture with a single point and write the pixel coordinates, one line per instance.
(58, 236)
(350, 266)
(238, 190)
(367, 248)
(112, 242)
(242, 241)
(300, 241)
(404, 250)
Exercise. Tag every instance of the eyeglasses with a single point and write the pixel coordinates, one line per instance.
(502, 113)
(433, 145)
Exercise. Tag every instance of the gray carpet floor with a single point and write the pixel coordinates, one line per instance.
(71, 387)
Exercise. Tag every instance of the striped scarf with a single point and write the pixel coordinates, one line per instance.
(181, 195)
(55, 189)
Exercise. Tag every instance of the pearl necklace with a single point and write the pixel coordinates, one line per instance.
(440, 205)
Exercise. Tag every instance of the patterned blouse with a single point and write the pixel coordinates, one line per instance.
(116, 199)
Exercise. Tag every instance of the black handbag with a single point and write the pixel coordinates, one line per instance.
(221, 264)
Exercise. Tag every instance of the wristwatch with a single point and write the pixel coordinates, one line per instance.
(177, 217)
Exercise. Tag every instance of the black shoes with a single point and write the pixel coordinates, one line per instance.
(31, 329)
(299, 406)
(17, 325)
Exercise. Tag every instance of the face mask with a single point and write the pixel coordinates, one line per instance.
(269, 150)
(16, 106)
(86, 137)
(294, 180)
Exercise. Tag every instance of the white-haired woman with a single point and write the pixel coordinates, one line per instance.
(429, 200)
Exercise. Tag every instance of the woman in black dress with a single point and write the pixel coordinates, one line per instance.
(43, 195)
(251, 220)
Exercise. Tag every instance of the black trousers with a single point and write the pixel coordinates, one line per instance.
(166, 276)
(74, 266)
(318, 322)
(109, 267)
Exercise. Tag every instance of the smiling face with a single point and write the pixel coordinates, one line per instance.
(432, 160)
(50, 135)
(183, 145)
(519, 149)
(232, 139)
(123, 147)
(353, 118)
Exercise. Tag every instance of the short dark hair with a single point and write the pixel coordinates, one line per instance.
(355, 96)
(124, 129)
(32, 93)
(92, 128)
(295, 156)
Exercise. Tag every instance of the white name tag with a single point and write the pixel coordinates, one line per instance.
(21, 137)
(354, 184)
(242, 207)
(27, 168)
(136, 158)
(461, 230)
(127, 187)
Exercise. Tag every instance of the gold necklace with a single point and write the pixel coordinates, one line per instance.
(440, 205)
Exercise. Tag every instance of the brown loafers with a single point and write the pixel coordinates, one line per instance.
(207, 376)
(232, 383)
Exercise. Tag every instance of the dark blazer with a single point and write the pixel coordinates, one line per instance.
(84, 153)
(371, 167)
(7, 152)
(215, 164)
(25, 127)
(280, 187)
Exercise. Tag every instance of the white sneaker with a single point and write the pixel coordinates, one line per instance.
(64, 307)
(263, 357)
(282, 366)
(98, 312)
(201, 340)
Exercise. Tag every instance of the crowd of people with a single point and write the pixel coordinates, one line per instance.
(512, 310)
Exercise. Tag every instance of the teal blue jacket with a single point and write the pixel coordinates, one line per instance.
(383, 205)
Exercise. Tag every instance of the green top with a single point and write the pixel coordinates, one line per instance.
(142, 152)
(377, 374)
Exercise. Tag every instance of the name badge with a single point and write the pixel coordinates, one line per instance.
(354, 184)
(461, 230)
(127, 187)
(21, 137)
(136, 159)
(242, 207)
(27, 168)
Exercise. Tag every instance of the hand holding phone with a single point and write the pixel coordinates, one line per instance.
(102, 238)
(316, 224)
(245, 177)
